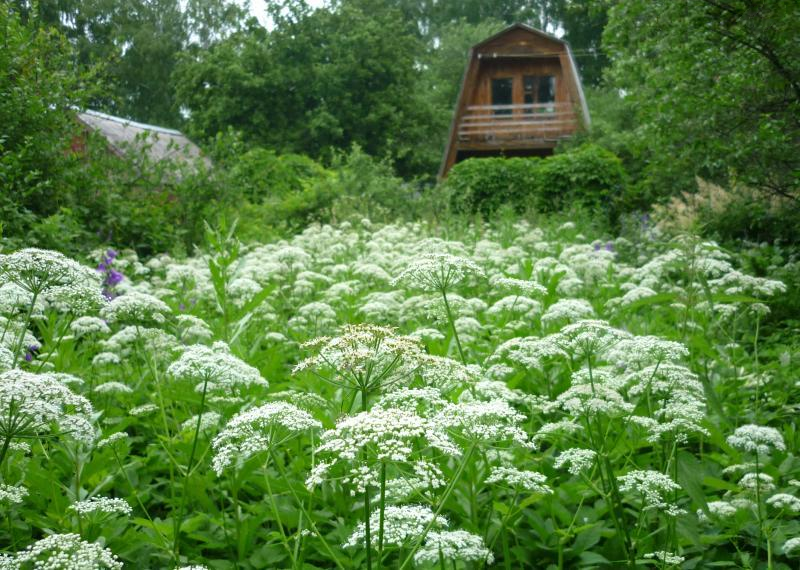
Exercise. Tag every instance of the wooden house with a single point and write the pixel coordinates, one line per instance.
(519, 96)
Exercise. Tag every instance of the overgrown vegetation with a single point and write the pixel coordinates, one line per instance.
(368, 395)
(299, 351)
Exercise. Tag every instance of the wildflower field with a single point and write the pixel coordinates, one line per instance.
(366, 396)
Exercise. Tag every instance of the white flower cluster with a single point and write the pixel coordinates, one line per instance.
(758, 439)
(113, 388)
(653, 486)
(437, 271)
(792, 546)
(257, 430)
(62, 281)
(568, 310)
(112, 439)
(453, 545)
(520, 286)
(12, 494)
(529, 481)
(86, 325)
(193, 329)
(575, 459)
(488, 422)
(102, 505)
(366, 356)
(65, 552)
(41, 402)
(784, 501)
(216, 366)
(666, 557)
(137, 308)
(390, 434)
(401, 525)
(757, 482)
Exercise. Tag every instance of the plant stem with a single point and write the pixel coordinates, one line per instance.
(325, 544)
(439, 507)
(179, 520)
(21, 339)
(4, 450)
(453, 326)
(138, 499)
(277, 516)
(381, 507)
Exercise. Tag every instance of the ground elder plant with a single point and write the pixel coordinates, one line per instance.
(364, 396)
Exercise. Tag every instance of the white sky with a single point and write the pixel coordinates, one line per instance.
(258, 9)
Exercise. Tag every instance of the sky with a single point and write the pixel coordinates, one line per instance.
(258, 9)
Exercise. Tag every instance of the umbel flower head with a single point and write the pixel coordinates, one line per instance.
(137, 308)
(101, 506)
(402, 524)
(437, 271)
(257, 430)
(40, 404)
(63, 552)
(216, 366)
(453, 545)
(483, 422)
(529, 481)
(389, 435)
(366, 357)
(589, 338)
(758, 439)
(53, 276)
(652, 486)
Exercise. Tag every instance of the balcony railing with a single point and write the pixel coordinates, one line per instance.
(517, 123)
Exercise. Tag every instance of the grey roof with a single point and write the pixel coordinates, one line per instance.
(120, 133)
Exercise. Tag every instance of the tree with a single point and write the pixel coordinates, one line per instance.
(137, 43)
(39, 86)
(715, 86)
(319, 80)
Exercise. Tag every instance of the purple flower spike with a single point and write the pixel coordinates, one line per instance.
(114, 277)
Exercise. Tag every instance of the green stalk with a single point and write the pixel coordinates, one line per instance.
(277, 516)
(367, 534)
(381, 515)
(4, 450)
(179, 520)
(21, 339)
(138, 499)
(325, 544)
(453, 326)
(440, 506)
(503, 522)
(58, 343)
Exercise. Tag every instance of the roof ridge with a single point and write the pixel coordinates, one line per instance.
(129, 123)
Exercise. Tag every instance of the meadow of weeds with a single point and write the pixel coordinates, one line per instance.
(365, 396)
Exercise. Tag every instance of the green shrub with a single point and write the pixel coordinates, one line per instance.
(262, 173)
(588, 176)
(485, 184)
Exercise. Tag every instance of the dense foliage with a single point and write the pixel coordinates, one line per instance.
(365, 396)
(587, 176)
(714, 88)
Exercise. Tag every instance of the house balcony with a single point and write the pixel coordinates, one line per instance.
(538, 125)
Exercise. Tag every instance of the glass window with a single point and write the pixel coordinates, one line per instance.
(547, 89)
(539, 89)
(502, 94)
